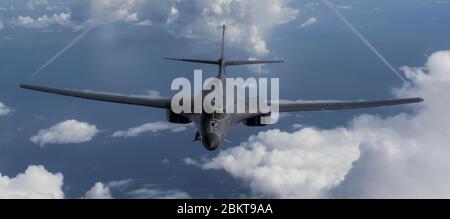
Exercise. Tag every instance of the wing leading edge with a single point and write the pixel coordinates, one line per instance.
(318, 106)
(115, 98)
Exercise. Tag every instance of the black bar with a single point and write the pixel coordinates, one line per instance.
(309, 209)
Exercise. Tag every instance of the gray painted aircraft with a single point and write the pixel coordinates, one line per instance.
(214, 127)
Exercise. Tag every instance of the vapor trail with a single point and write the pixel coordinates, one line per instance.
(365, 41)
(58, 54)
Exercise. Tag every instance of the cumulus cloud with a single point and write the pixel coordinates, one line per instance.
(400, 156)
(4, 110)
(98, 191)
(98, 12)
(67, 132)
(152, 127)
(35, 182)
(309, 22)
(106, 11)
(150, 193)
(249, 22)
(61, 19)
(407, 155)
(103, 191)
(289, 165)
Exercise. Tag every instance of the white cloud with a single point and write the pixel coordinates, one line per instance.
(67, 132)
(407, 155)
(173, 14)
(106, 11)
(402, 156)
(249, 22)
(147, 193)
(120, 184)
(35, 182)
(103, 191)
(61, 19)
(152, 127)
(4, 110)
(289, 165)
(309, 22)
(190, 161)
(98, 191)
(1, 25)
(38, 183)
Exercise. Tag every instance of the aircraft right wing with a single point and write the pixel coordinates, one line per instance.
(101, 96)
(317, 106)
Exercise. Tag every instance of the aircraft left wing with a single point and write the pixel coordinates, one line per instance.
(101, 96)
(318, 106)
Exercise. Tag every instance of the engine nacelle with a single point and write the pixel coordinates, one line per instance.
(176, 118)
(255, 121)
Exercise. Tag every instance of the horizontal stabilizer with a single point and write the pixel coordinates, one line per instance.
(252, 62)
(212, 62)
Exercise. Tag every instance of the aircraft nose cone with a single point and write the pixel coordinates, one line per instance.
(211, 141)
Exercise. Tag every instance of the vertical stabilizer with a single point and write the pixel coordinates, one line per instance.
(223, 43)
(222, 61)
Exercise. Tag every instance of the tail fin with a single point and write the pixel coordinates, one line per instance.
(251, 62)
(222, 49)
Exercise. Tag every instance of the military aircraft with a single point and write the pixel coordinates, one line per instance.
(212, 128)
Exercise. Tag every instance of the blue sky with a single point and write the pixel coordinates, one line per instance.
(122, 54)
